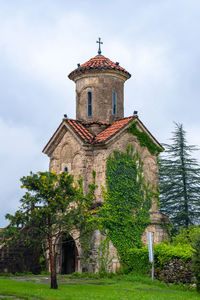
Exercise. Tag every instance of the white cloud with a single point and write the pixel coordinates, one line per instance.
(42, 41)
(46, 52)
(19, 154)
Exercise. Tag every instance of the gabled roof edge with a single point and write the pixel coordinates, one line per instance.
(148, 132)
(56, 133)
(134, 118)
(45, 149)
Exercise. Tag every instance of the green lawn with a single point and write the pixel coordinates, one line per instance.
(124, 287)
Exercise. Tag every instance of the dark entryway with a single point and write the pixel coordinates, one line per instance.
(69, 255)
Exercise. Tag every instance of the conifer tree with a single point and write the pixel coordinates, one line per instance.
(179, 181)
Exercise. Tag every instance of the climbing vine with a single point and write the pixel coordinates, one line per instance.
(144, 139)
(125, 213)
(87, 222)
(104, 260)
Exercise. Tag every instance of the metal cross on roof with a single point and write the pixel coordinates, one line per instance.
(99, 42)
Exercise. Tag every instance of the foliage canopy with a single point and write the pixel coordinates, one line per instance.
(179, 177)
(53, 205)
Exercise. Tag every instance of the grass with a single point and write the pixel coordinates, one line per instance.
(117, 288)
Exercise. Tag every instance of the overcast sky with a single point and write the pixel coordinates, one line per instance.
(41, 42)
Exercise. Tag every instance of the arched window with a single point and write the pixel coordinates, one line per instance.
(89, 104)
(66, 169)
(114, 103)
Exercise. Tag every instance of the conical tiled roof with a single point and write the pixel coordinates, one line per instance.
(99, 62)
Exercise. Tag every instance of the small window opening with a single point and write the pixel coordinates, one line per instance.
(89, 104)
(66, 169)
(114, 108)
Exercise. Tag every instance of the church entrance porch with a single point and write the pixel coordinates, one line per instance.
(69, 255)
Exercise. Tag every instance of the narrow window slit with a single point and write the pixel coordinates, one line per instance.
(114, 103)
(89, 104)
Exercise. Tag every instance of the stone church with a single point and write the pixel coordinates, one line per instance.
(82, 145)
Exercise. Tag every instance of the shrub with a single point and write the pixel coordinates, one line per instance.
(173, 263)
(196, 262)
(164, 253)
(186, 235)
(136, 260)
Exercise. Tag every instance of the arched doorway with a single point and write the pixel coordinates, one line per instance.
(69, 255)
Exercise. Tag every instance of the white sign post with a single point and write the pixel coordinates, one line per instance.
(151, 252)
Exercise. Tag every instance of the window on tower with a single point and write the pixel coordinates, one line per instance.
(89, 104)
(114, 103)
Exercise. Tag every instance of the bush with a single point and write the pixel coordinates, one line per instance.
(196, 262)
(167, 258)
(164, 253)
(136, 260)
(173, 263)
(186, 236)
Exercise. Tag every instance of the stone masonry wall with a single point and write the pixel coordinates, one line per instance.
(83, 159)
(100, 156)
(102, 86)
(19, 258)
(68, 154)
(175, 271)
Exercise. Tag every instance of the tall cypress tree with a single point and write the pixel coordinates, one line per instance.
(179, 181)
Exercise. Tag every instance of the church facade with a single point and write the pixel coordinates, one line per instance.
(84, 144)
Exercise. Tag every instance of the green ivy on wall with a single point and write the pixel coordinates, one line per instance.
(144, 139)
(87, 220)
(125, 213)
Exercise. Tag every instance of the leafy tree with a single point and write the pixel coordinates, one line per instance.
(179, 176)
(53, 204)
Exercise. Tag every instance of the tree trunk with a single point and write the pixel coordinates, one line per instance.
(185, 193)
(54, 284)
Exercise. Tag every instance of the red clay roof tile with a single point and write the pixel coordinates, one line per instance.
(108, 130)
(114, 128)
(99, 62)
(81, 130)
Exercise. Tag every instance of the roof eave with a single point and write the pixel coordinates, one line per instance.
(76, 74)
(58, 135)
(48, 146)
(150, 135)
(115, 135)
(143, 127)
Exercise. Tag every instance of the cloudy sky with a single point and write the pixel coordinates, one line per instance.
(41, 42)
